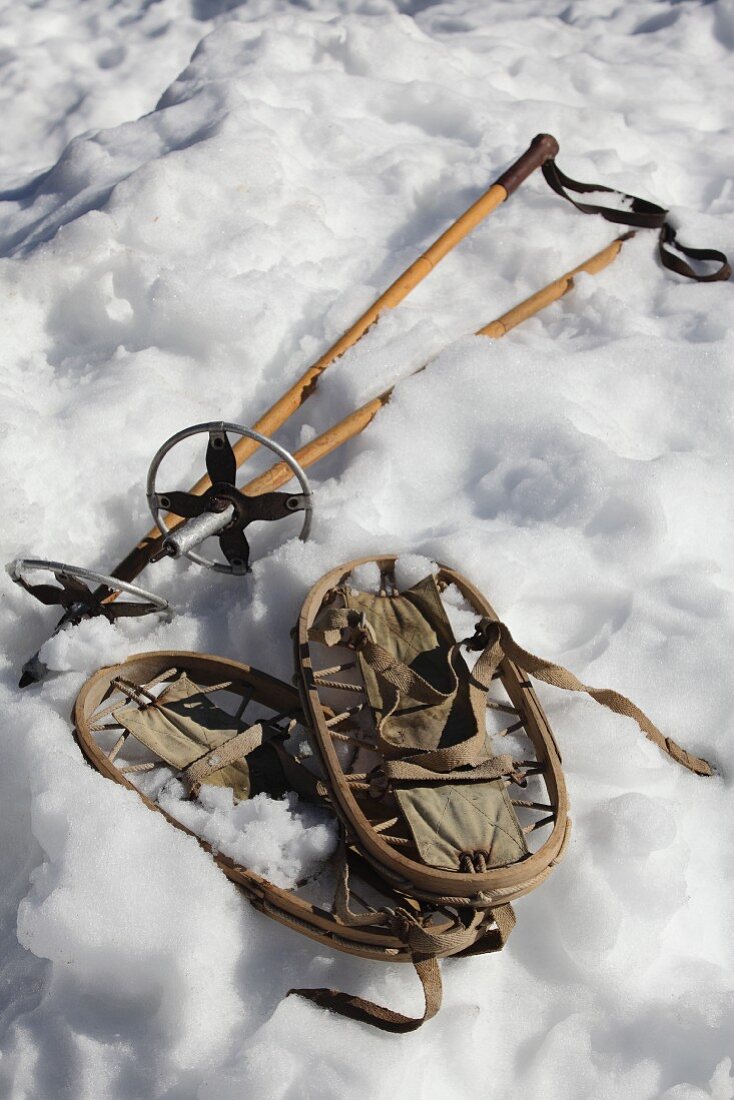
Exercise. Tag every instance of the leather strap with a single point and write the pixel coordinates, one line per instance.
(213, 760)
(641, 214)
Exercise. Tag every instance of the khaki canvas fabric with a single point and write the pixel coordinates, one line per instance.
(413, 628)
(181, 726)
(450, 819)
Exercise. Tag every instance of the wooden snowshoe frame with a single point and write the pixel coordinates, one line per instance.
(490, 887)
(377, 936)
(434, 810)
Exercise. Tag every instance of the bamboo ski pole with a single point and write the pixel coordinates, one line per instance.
(542, 148)
(355, 423)
(553, 291)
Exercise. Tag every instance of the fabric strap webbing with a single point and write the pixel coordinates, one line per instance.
(641, 214)
(405, 771)
(429, 973)
(328, 629)
(227, 753)
(368, 1012)
(496, 637)
(397, 680)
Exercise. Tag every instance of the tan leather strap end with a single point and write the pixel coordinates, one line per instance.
(367, 1012)
(560, 677)
(694, 763)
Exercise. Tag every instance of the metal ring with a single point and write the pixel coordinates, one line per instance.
(16, 567)
(224, 426)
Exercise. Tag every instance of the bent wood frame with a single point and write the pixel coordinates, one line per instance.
(369, 942)
(493, 887)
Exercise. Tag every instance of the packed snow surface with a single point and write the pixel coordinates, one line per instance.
(198, 197)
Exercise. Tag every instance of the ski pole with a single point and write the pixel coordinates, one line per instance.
(542, 148)
(355, 423)
(351, 426)
(553, 291)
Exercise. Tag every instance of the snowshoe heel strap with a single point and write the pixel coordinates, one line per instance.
(368, 1012)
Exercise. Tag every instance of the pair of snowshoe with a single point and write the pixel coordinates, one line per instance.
(426, 762)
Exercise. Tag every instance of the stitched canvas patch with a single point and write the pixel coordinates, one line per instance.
(182, 726)
(452, 818)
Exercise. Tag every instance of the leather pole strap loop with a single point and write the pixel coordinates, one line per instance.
(640, 214)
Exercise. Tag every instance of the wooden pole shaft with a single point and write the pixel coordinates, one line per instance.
(351, 426)
(291, 401)
(325, 444)
(552, 292)
(543, 147)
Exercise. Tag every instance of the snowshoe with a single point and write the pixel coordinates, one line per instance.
(440, 759)
(171, 726)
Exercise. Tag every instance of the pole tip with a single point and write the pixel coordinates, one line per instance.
(33, 672)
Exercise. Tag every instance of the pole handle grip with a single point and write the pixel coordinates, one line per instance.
(543, 147)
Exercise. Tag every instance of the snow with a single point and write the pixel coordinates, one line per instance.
(197, 198)
(282, 840)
